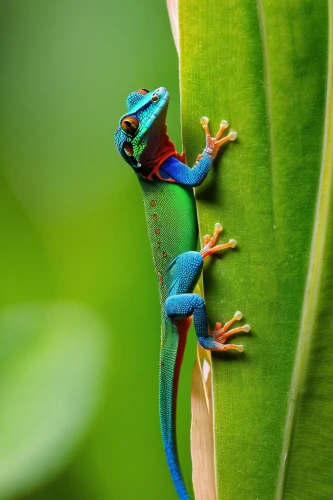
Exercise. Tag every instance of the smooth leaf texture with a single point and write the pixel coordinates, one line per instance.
(52, 361)
(266, 68)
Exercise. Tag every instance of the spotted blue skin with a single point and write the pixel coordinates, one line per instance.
(186, 176)
(181, 303)
(170, 210)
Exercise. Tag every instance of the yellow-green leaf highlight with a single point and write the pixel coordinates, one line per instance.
(52, 365)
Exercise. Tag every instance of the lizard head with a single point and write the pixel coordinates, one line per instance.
(138, 137)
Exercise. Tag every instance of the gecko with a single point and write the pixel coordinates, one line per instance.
(167, 185)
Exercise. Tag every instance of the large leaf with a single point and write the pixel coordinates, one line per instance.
(266, 68)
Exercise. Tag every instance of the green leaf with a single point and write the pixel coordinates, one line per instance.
(266, 67)
(52, 360)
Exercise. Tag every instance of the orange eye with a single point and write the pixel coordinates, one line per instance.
(154, 98)
(129, 124)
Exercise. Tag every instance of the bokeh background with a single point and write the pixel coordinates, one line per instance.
(79, 318)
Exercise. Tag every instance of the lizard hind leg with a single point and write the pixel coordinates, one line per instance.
(185, 305)
(184, 272)
(210, 246)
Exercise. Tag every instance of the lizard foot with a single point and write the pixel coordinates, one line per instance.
(210, 246)
(221, 333)
(213, 144)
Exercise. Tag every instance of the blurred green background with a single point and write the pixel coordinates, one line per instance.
(79, 319)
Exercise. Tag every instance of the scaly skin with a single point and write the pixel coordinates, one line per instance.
(167, 188)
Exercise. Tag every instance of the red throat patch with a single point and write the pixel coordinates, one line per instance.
(166, 149)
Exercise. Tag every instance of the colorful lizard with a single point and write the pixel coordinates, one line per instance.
(167, 188)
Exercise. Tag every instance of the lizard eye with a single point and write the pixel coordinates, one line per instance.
(129, 124)
(143, 91)
(155, 98)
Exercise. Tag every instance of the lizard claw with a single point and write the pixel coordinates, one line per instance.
(213, 144)
(222, 333)
(210, 241)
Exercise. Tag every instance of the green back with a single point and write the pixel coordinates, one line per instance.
(172, 225)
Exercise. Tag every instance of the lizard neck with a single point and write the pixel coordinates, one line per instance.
(152, 159)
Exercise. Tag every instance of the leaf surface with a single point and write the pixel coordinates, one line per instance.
(266, 68)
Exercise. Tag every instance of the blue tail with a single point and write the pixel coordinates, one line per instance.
(172, 350)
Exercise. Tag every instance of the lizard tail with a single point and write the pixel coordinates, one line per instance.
(172, 351)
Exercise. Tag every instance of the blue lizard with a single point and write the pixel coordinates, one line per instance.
(167, 187)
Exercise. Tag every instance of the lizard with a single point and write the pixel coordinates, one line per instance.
(167, 185)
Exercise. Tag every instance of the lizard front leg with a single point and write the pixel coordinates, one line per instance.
(173, 170)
